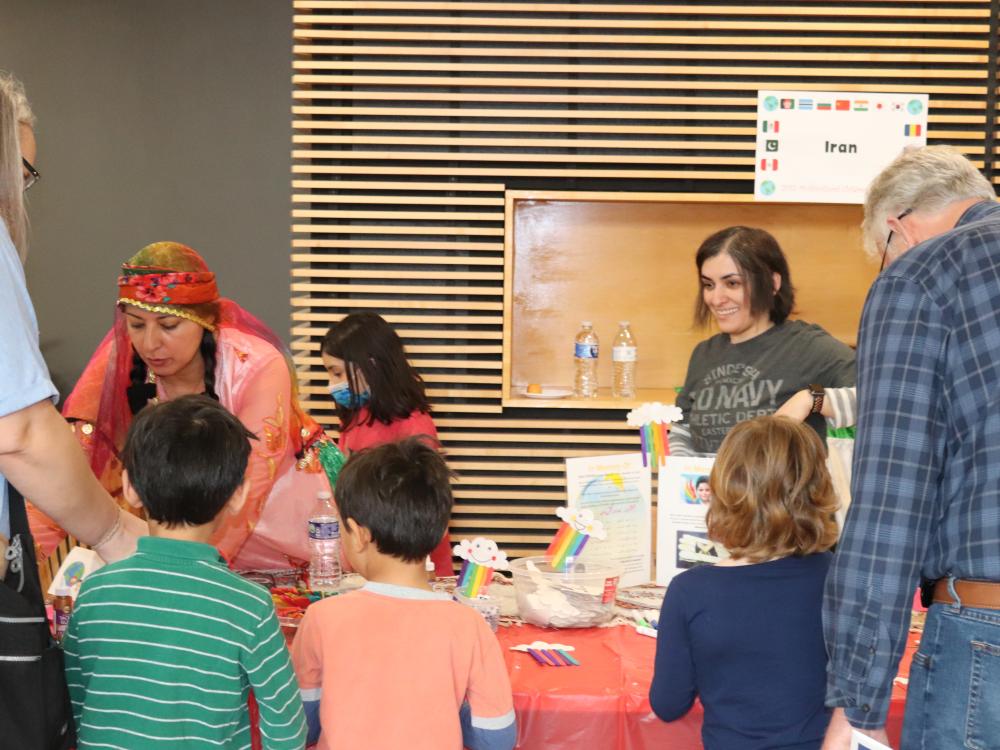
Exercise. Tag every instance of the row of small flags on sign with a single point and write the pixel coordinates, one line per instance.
(839, 105)
(774, 126)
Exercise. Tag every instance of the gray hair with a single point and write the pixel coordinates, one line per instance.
(924, 179)
(14, 90)
(14, 112)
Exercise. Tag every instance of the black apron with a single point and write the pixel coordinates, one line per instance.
(35, 712)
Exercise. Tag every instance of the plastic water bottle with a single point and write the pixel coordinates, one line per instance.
(585, 360)
(324, 541)
(623, 354)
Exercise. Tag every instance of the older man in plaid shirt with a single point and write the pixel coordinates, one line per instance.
(926, 478)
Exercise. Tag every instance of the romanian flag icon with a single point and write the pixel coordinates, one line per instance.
(911, 130)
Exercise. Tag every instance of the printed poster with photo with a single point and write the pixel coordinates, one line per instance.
(617, 489)
(681, 535)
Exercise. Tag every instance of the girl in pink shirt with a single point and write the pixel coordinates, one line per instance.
(380, 397)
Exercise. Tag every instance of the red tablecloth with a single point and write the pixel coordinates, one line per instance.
(604, 702)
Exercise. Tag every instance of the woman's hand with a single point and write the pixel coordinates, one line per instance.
(798, 407)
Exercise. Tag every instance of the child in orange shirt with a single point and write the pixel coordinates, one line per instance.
(396, 664)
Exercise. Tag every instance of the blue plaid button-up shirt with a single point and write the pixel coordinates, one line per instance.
(926, 475)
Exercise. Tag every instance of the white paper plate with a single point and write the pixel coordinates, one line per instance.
(551, 393)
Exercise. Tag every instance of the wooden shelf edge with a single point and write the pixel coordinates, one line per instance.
(603, 401)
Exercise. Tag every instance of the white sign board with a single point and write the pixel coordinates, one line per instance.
(681, 534)
(618, 490)
(827, 146)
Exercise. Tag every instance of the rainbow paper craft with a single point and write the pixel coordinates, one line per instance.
(652, 420)
(578, 526)
(474, 579)
(481, 557)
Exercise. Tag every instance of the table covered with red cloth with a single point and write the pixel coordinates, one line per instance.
(604, 703)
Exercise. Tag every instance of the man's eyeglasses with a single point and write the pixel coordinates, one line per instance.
(888, 239)
(33, 175)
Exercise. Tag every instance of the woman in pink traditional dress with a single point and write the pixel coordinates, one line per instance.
(174, 335)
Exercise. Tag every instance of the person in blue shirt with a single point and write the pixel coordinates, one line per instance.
(745, 635)
(38, 454)
(39, 458)
(926, 472)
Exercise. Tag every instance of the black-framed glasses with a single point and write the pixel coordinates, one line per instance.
(888, 239)
(33, 175)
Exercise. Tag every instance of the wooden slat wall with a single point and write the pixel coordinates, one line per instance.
(411, 119)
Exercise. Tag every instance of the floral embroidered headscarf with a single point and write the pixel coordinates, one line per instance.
(170, 278)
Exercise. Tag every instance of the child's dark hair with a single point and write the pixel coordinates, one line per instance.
(367, 342)
(185, 458)
(401, 492)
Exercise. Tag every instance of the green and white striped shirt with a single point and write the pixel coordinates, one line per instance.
(163, 649)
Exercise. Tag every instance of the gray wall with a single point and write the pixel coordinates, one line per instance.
(157, 120)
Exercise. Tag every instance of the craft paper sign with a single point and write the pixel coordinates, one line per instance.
(863, 742)
(827, 146)
(681, 535)
(617, 489)
(79, 564)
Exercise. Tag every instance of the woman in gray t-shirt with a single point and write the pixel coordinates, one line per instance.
(760, 358)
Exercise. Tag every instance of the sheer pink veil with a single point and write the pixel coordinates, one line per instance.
(100, 398)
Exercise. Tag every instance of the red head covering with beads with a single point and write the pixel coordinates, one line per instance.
(162, 289)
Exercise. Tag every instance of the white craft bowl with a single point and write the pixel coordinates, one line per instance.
(588, 588)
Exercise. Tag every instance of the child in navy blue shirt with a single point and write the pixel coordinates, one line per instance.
(746, 635)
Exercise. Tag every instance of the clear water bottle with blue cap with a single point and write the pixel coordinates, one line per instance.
(324, 542)
(585, 351)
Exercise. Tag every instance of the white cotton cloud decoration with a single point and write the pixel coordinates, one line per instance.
(482, 551)
(583, 521)
(654, 412)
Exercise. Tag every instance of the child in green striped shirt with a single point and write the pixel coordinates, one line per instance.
(164, 647)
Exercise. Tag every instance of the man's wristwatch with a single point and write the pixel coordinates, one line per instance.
(818, 393)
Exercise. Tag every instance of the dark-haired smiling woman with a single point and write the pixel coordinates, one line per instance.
(174, 335)
(759, 358)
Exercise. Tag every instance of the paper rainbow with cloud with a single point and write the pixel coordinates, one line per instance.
(652, 420)
(481, 557)
(577, 527)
